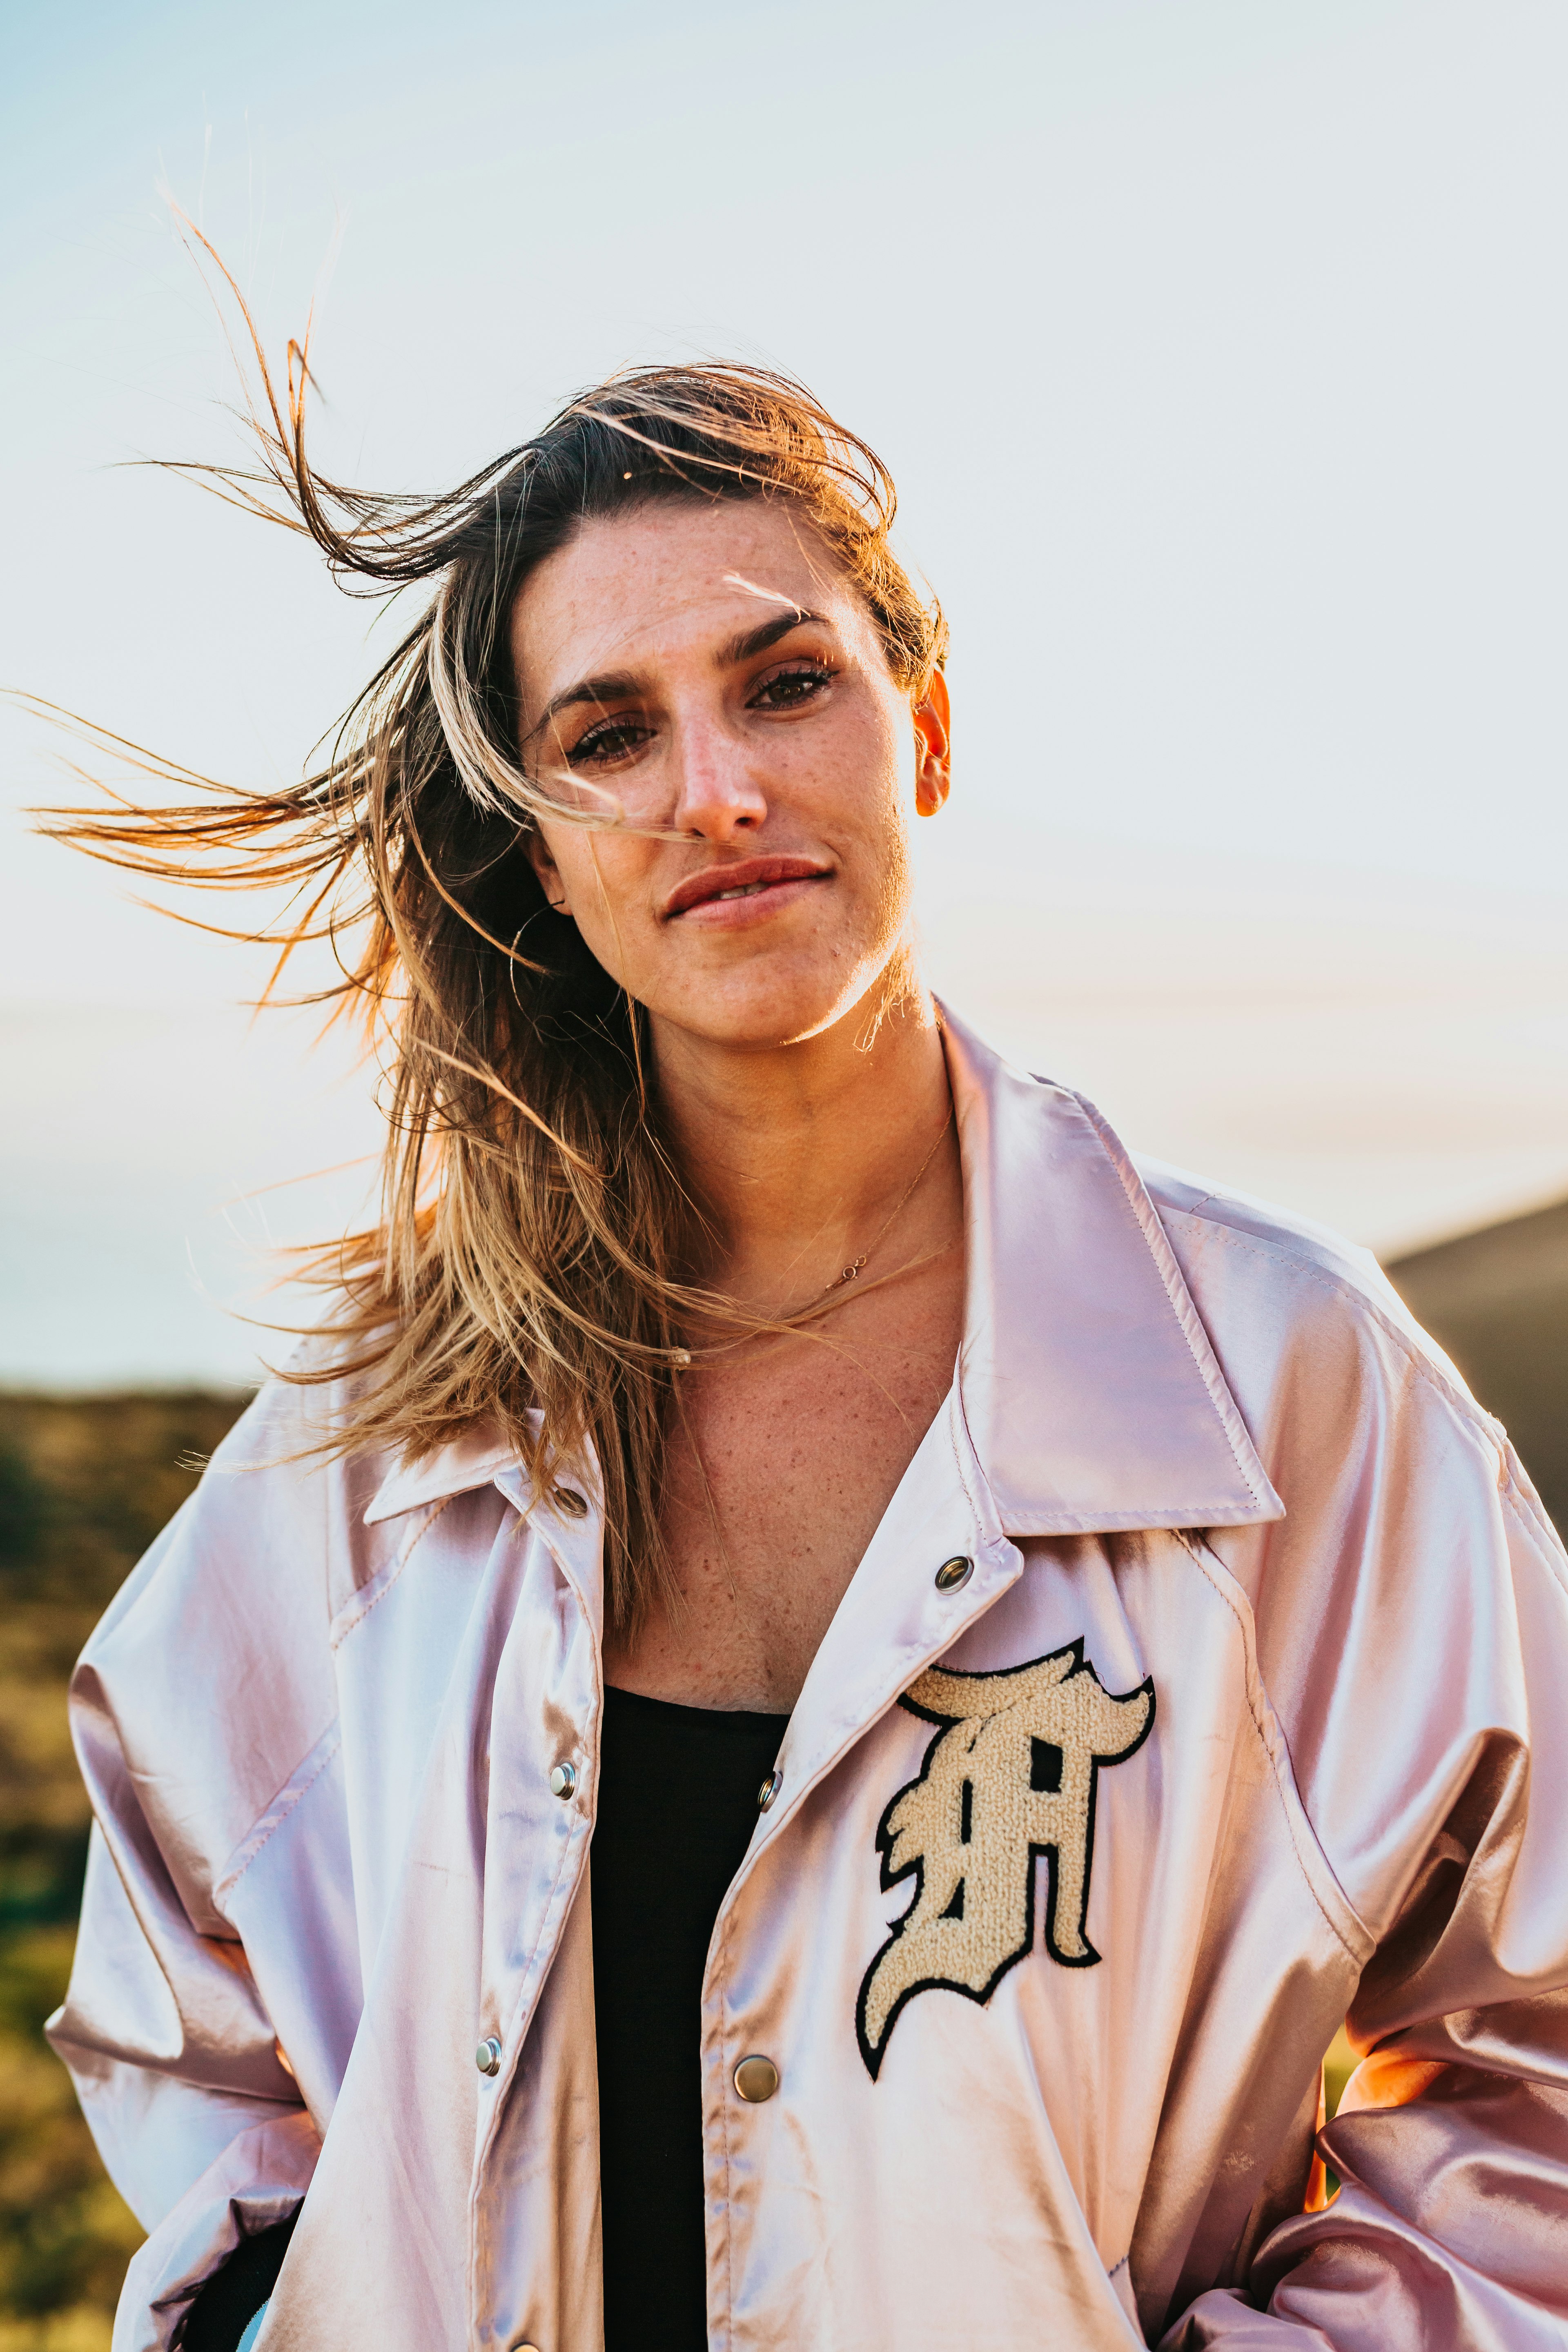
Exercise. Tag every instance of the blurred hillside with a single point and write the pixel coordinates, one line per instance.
(85, 1485)
(1496, 1301)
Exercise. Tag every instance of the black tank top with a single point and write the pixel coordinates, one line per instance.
(677, 1804)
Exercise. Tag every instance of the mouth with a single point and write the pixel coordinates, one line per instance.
(741, 885)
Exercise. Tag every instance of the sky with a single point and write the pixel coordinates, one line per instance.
(1219, 348)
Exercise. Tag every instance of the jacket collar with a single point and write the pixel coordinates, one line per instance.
(1090, 1393)
(477, 1458)
(1092, 1397)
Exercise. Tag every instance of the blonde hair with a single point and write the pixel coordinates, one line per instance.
(534, 1229)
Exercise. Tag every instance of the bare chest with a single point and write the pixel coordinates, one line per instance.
(780, 1472)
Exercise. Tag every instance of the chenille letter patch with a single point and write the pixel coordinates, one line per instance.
(1010, 1776)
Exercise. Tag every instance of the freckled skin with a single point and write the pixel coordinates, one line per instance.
(802, 1450)
(800, 1121)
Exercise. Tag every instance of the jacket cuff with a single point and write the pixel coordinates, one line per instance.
(260, 2178)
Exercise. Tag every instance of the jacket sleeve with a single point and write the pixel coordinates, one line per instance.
(199, 2126)
(1439, 1753)
(193, 1706)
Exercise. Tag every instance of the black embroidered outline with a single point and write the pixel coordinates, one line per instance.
(1081, 1666)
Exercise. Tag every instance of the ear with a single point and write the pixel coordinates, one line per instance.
(934, 746)
(551, 880)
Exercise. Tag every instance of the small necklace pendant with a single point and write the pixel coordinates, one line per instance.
(847, 1274)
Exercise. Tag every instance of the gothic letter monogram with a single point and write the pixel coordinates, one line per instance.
(1010, 1776)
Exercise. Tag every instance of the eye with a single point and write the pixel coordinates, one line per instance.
(610, 741)
(792, 686)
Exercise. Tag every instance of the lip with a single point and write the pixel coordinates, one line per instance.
(765, 879)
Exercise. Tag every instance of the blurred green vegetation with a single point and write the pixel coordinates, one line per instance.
(85, 1485)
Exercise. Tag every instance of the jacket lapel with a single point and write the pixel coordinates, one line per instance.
(1091, 1393)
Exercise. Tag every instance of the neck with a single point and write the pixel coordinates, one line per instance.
(798, 1153)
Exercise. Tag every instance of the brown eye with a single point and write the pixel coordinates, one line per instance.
(616, 739)
(787, 689)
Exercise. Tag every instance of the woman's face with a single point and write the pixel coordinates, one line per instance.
(705, 670)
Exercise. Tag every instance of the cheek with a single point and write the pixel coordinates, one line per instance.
(605, 887)
(849, 784)
(885, 770)
(880, 795)
(876, 740)
(891, 819)
(898, 879)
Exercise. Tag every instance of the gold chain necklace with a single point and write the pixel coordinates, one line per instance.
(681, 1358)
(850, 1272)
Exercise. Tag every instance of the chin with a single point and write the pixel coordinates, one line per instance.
(776, 1009)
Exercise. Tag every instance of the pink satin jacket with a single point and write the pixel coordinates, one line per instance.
(1206, 1681)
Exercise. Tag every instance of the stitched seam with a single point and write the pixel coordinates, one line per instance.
(1254, 1684)
(1138, 1518)
(1101, 1134)
(225, 1883)
(1474, 1416)
(969, 1496)
(1424, 1369)
(399, 1564)
(728, 2156)
(1191, 1209)
(479, 2243)
(1535, 1521)
(524, 1995)
(719, 1960)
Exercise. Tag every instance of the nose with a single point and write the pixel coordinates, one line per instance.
(717, 795)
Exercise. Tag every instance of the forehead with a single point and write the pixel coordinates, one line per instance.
(668, 582)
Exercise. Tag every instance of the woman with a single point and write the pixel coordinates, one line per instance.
(800, 1723)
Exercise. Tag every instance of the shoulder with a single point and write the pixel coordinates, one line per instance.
(1351, 1404)
(1283, 1299)
(274, 1526)
(1411, 1608)
(210, 1677)
(1391, 1472)
(1216, 1226)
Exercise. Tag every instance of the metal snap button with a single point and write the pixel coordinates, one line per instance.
(487, 2057)
(954, 1574)
(769, 1789)
(562, 1779)
(568, 1499)
(756, 2079)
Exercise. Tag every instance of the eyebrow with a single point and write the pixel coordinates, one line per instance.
(757, 641)
(744, 647)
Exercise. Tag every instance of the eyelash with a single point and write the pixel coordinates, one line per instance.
(806, 668)
(620, 732)
(616, 732)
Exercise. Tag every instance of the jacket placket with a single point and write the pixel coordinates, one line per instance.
(545, 1713)
(894, 1621)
